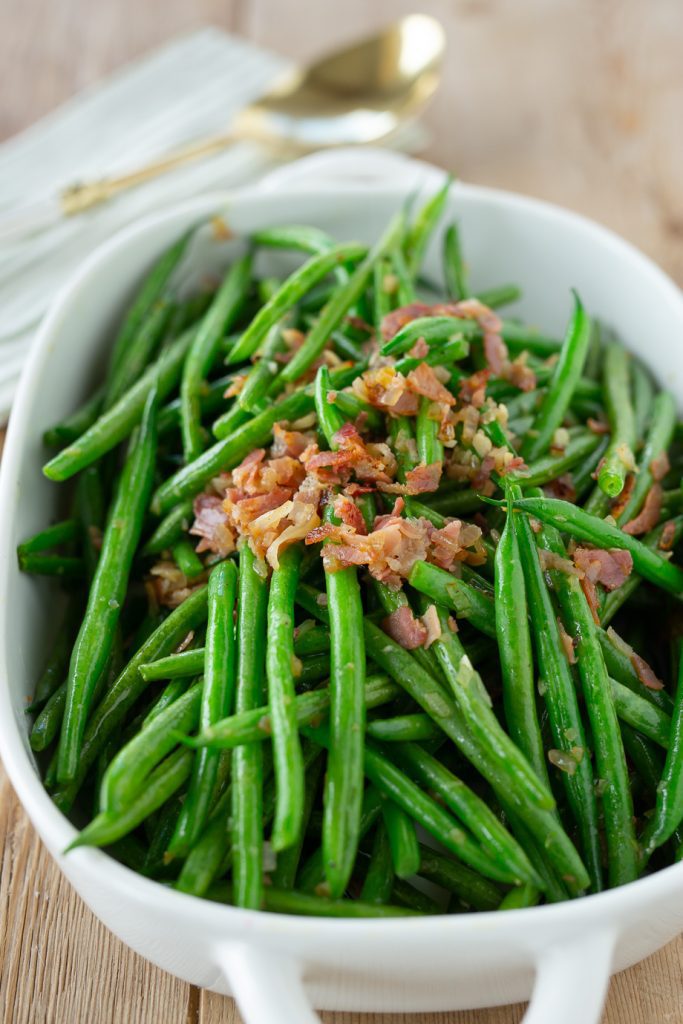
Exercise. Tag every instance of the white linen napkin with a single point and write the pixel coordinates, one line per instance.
(191, 88)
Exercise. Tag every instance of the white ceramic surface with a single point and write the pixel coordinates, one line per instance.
(276, 966)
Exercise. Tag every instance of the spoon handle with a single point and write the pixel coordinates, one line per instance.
(84, 195)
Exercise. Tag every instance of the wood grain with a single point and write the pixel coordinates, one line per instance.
(572, 100)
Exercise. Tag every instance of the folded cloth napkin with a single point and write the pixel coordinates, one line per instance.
(188, 90)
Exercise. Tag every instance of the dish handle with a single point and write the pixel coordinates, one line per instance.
(571, 983)
(572, 979)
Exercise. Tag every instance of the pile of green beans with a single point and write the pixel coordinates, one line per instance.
(258, 732)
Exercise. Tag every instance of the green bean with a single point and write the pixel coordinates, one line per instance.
(216, 702)
(500, 295)
(128, 773)
(187, 559)
(284, 874)
(408, 895)
(293, 289)
(617, 385)
(464, 803)
(657, 441)
(419, 232)
(170, 530)
(525, 896)
(405, 852)
(583, 475)
(439, 330)
(647, 761)
(139, 351)
(311, 639)
(429, 447)
(381, 296)
(211, 853)
(48, 722)
(299, 237)
(583, 526)
(426, 692)
(229, 452)
(549, 467)
(405, 287)
(256, 724)
(669, 804)
(470, 887)
(475, 704)
(396, 786)
(344, 777)
(287, 754)
(174, 689)
(189, 663)
(330, 419)
(128, 686)
(617, 655)
(403, 728)
(646, 718)
(608, 750)
(116, 423)
(443, 356)
(155, 863)
(53, 565)
(465, 600)
(560, 700)
(57, 664)
(379, 879)
(109, 826)
(280, 901)
(247, 766)
(71, 428)
(454, 268)
(108, 590)
(336, 308)
(514, 649)
(219, 317)
(643, 398)
(152, 288)
(211, 399)
(262, 374)
(90, 508)
(566, 373)
(352, 408)
(615, 599)
(51, 537)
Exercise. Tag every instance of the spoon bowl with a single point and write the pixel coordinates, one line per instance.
(355, 96)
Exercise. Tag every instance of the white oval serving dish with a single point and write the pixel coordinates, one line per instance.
(277, 966)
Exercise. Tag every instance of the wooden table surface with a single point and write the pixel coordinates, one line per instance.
(577, 101)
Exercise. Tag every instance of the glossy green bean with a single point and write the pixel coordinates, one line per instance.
(566, 373)
(669, 803)
(616, 376)
(288, 760)
(405, 852)
(229, 452)
(128, 687)
(559, 695)
(217, 698)
(581, 525)
(219, 317)
(108, 590)
(247, 764)
(109, 826)
(115, 425)
(345, 296)
(454, 268)
(293, 289)
(657, 440)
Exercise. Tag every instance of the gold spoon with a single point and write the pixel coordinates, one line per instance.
(355, 96)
